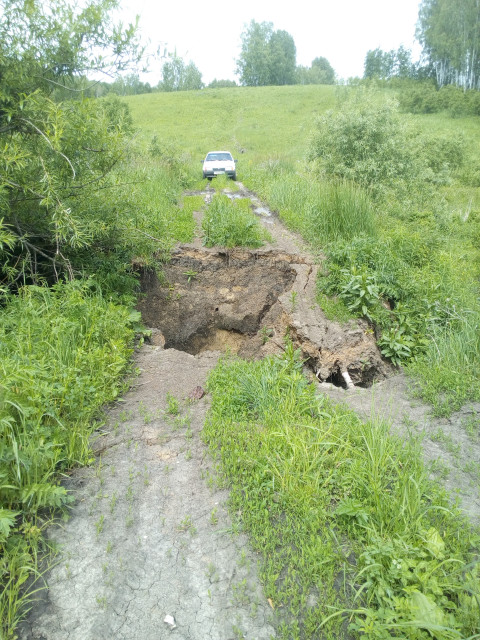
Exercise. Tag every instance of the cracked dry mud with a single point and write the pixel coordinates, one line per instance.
(149, 534)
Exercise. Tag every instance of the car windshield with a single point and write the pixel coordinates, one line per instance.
(213, 157)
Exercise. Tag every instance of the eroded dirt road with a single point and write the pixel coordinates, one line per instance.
(149, 535)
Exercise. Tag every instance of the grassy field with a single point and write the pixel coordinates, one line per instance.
(254, 123)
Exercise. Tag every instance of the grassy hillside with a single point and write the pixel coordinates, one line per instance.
(258, 121)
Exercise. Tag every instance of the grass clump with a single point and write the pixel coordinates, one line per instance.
(230, 223)
(356, 540)
(321, 211)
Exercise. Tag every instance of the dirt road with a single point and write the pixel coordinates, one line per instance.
(150, 551)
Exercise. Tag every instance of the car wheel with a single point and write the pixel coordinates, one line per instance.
(234, 176)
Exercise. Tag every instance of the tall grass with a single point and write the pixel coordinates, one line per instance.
(321, 211)
(448, 374)
(230, 223)
(355, 540)
(62, 351)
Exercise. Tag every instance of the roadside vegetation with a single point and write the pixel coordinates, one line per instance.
(355, 540)
(230, 223)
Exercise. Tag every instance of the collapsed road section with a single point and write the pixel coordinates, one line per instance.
(247, 302)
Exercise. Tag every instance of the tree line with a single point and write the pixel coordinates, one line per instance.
(449, 32)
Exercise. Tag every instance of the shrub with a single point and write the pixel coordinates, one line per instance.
(366, 142)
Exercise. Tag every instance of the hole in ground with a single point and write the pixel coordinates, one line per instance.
(213, 340)
(218, 307)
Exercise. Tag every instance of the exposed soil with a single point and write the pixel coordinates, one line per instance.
(149, 535)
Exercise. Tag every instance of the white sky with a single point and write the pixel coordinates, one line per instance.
(208, 33)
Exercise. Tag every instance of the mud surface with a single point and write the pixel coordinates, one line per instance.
(149, 535)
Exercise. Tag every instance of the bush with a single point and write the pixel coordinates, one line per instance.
(424, 97)
(366, 142)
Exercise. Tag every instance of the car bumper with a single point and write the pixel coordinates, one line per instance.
(219, 172)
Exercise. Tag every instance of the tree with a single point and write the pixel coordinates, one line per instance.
(449, 31)
(253, 65)
(267, 56)
(320, 72)
(177, 76)
(282, 55)
(379, 64)
(56, 157)
(221, 84)
(384, 65)
(192, 80)
(129, 85)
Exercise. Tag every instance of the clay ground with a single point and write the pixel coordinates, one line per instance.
(149, 535)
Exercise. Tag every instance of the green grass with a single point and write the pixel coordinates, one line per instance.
(58, 347)
(230, 223)
(353, 535)
(250, 122)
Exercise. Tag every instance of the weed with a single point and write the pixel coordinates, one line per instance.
(240, 593)
(440, 468)
(173, 405)
(214, 517)
(99, 524)
(231, 224)
(113, 502)
(266, 333)
(293, 300)
(212, 573)
(186, 525)
(190, 275)
(447, 441)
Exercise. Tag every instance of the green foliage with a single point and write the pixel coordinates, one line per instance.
(321, 211)
(340, 509)
(267, 56)
(230, 223)
(369, 143)
(57, 157)
(424, 97)
(320, 72)
(178, 76)
(384, 65)
(62, 351)
(449, 33)
(221, 84)
(447, 374)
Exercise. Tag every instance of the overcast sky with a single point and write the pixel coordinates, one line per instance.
(208, 33)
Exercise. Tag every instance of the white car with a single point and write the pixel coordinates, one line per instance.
(218, 163)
